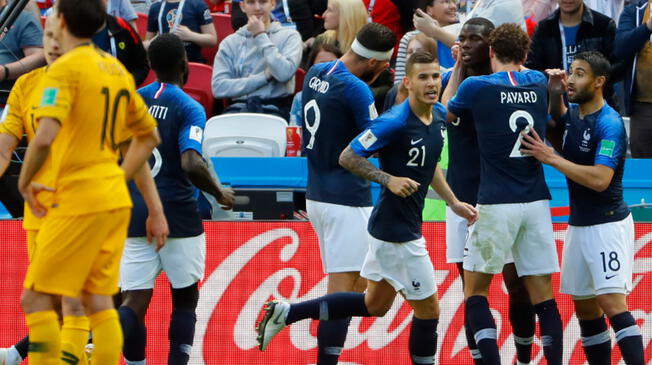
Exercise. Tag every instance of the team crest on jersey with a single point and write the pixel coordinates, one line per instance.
(49, 96)
(367, 139)
(586, 136)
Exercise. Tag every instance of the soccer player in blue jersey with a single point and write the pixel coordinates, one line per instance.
(512, 195)
(598, 256)
(177, 169)
(338, 105)
(463, 176)
(409, 139)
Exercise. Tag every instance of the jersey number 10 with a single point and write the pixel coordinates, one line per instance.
(111, 106)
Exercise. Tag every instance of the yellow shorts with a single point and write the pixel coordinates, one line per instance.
(31, 243)
(78, 253)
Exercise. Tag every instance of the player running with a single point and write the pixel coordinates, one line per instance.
(463, 176)
(88, 107)
(409, 139)
(598, 255)
(512, 196)
(338, 105)
(178, 165)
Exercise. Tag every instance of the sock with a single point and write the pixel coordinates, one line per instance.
(329, 307)
(470, 340)
(522, 318)
(140, 362)
(331, 336)
(44, 337)
(629, 338)
(181, 334)
(551, 331)
(484, 328)
(22, 347)
(596, 341)
(107, 337)
(12, 356)
(135, 334)
(74, 336)
(423, 341)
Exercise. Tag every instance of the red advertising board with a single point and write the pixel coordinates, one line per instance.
(249, 263)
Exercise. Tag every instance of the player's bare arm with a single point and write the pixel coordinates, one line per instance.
(358, 165)
(595, 177)
(451, 89)
(462, 209)
(37, 152)
(8, 144)
(557, 87)
(139, 151)
(197, 169)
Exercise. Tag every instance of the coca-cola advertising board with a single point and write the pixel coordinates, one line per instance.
(249, 263)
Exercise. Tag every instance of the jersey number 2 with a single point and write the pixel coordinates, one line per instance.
(516, 151)
(111, 106)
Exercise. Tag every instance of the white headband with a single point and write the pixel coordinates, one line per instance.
(365, 52)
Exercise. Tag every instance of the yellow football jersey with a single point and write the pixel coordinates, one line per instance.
(93, 97)
(19, 120)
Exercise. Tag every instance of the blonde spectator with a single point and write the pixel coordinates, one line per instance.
(342, 21)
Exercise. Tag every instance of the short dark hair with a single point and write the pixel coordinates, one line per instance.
(510, 43)
(376, 37)
(167, 56)
(485, 23)
(600, 65)
(424, 4)
(83, 17)
(418, 57)
(324, 46)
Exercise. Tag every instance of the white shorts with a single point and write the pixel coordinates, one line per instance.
(522, 229)
(405, 266)
(598, 259)
(182, 259)
(457, 231)
(342, 232)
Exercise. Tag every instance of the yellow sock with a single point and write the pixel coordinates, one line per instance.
(107, 337)
(44, 338)
(74, 336)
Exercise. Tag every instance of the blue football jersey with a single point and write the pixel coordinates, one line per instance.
(598, 139)
(463, 175)
(181, 122)
(407, 148)
(504, 104)
(336, 106)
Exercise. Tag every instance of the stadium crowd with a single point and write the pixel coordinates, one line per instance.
(255, 63)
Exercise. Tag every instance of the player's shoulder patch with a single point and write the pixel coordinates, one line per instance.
(49, 96)
(367, 139)
(607, 148)
(196, 133)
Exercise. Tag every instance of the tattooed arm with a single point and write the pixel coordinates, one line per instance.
(360, 166)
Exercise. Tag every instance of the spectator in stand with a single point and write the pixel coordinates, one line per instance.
(194, 27)
(122, 9)
(499, 11)
(21, 50)
(538, 9)
(633, 46)
(121, 40)
(431, 18)
(324, 52)
(238, 17)
(142, 6)
(295, 14)
(394, 14)
(398, 93)
(255, 66)
(342, 20)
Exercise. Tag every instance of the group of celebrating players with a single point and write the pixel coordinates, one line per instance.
(497, 114)
(82, 114)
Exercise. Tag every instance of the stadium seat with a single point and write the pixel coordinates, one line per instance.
(245, 135)
(199, 85)
(298, 79)
(222, 24)
(141, 24)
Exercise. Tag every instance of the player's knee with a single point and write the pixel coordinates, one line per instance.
(185, 298)
(612, 304)
(377, 309)
(138, 301)
(72, 307)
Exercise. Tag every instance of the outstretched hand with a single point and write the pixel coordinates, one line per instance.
(534, 146)
(558, 81)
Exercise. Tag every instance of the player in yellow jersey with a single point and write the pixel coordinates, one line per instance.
(19, 120)
(88, 107)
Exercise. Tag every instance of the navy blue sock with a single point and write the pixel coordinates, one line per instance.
(522, 318)
(484, 328)
(629, 338)
(596, 341)
(423, 341)
(470, 340)
(330, 340)
(551, 329)
(181, 335)
(22, 346)
(134, 334)
(329, 307)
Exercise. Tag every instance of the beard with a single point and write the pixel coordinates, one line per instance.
(369, 76)
(581, 96)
